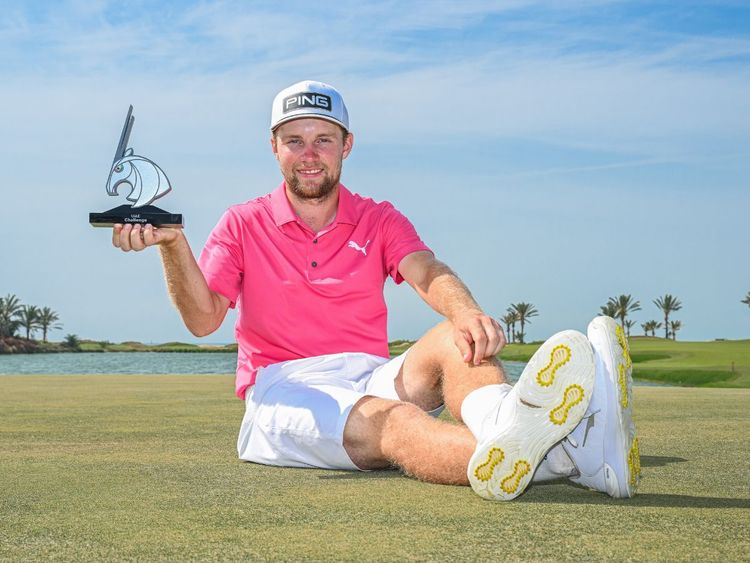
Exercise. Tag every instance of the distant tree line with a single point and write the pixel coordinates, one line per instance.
(519, 313)
(616, 307)
(621, 306)
(15, 316)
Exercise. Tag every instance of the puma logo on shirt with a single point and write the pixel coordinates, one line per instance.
(361, 249)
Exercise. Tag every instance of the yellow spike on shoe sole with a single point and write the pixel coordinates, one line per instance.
(623, 342)
(634, 463)
(511, 482)
(559, 356)
(484, 471)
(622, 380)
(572, 396)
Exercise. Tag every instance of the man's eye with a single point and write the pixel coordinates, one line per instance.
(118, 168)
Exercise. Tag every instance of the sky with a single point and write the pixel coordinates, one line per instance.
(556, 153)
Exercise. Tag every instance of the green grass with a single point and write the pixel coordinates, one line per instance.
(723, 363)
(144, 467)
(130, 346)
(398, 347)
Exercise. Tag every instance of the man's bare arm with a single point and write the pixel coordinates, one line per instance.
(476, 334)
(202, 310)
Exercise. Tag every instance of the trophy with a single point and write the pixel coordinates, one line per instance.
(147, 183)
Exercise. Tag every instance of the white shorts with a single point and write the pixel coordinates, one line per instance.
(296, 412)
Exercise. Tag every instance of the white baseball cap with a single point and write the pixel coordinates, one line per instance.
(309, 99)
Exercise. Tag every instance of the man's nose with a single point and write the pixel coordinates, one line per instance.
(310, 152)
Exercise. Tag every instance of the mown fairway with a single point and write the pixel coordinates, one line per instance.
(721, 363)
(143, 467)
(716, 364)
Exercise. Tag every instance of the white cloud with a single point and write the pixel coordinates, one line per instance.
(440, 81)
(657, 103)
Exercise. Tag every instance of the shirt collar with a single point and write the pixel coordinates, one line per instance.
(283, 213)
(280, 207)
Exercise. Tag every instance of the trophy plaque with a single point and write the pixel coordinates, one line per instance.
(147, 182)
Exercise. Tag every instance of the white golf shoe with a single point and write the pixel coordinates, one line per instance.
(604, 447)
(545, 405)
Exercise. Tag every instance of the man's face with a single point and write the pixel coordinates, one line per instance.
(310, 152)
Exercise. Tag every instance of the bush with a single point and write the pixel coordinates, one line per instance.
(9, 345)
(72, 342)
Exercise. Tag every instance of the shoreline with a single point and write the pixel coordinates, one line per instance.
(720, 363)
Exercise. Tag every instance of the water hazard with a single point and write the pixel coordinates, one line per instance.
(160, 363)
(139, 363)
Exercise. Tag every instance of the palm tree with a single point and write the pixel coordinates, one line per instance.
(516, 318)
(10, 306)
(47, 321)
(746, 300)
(675, 326)
(609, 310)
(509, 319)
(628, 325)
(651, 326)
(623, 305)
(524, 312)
(668, 305)
(28, 317)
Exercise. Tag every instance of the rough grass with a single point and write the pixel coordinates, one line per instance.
(144, 467)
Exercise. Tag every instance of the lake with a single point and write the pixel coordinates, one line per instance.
(146, 363)
(139, 363)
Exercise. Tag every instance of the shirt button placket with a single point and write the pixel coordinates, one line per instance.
(314, 263)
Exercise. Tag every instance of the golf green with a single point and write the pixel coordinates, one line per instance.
(144, 467)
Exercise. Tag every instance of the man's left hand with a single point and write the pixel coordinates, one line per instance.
(477, 336)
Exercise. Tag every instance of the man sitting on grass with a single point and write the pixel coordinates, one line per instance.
(306, 265)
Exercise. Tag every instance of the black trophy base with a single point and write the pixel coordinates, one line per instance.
(148, 214)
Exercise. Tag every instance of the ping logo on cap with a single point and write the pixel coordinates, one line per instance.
(306, 100)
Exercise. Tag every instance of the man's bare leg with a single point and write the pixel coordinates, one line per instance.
(434, 373)
(380, 433)
(552, 399)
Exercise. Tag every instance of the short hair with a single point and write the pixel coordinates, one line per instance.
(344, 133)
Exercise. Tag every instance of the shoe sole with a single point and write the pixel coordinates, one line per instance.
(550, 398)
(625, 446)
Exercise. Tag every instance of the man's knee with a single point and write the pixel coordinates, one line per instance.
(444, 333)
(437, 345)
(374, 428)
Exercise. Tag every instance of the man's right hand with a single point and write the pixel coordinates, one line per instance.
(134, 237)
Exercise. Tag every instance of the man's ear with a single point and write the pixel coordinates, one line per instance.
(348, 144)
(274, 148)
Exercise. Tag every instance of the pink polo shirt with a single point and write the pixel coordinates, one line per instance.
(303, 294)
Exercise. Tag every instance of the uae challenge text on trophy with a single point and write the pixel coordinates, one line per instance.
(147, 183)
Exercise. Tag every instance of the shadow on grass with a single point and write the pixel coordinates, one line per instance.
(659, 460)
(572, 494)
(646, 461)
(384, 474)
(562, 491)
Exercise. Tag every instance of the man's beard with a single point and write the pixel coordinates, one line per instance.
(320, 191)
